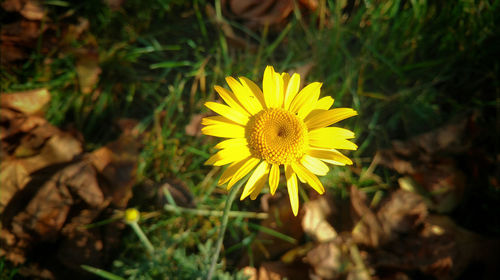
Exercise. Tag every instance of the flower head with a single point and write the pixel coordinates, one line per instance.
(276, 128)
(132, 215)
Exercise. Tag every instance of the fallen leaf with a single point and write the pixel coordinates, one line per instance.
(233, 38)
(13, 178)
(28, 102)
(51, 191)
(327, 259)
(114, 5)
(430, 165)
(30, 9)
(88, 70)
(18, 38)
(58, 149)
(194, 126)
(316, 219)
(397, 215)
(282, 220)
(440, 249)
(46, 213)
(179, 191)
(12, 5)
(277, 271)
(117, 163)
(258, 13)
(367, 229)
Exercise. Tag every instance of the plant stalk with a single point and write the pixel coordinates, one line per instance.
(225, 218)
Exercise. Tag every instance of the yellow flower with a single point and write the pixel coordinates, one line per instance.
(132, 215)
(279, 126)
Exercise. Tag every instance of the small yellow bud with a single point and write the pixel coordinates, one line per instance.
(132, 215)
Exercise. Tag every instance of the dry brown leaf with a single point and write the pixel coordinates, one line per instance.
(12, 5)
(58, 149)
(367, 229)
(179, 191)
(48, 195)
(30, 9)
(33, 10)
(440, 249)
(400, 213)
(194, 126)
(14, 122)
(81, 179)
(327, 259)
(233, 38)
(18, 39)
(277, 271)
(280, 219)
(13, 178)
(46, 213)
(114, 5)
(88, 70)
(59, 201)
(316, 219)
(28, 102)
(258, 13)
(429, 161)
(310, 4)
(117, 164)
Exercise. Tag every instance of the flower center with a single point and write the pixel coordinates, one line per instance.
(277, 136)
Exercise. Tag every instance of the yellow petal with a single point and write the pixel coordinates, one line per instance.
(306, 100)
(258, 187)
(293, 190)
(279, 89)
(231, 100)
(274, 178)
(230, 143)
(272, 85)
(291, 90)
(227, 112)
(329, 155)
(258, 174)
(309, 177)
(229, 155)
(331, 132)
(269, 88)
(324, 103)
(230, 170)
(245, 96)
(255, 89)
(332, 138)
(319, 118)
(333, 143)
(224, 131)
(217, 120)
(314, 165)
(243, 171)
(286, 78)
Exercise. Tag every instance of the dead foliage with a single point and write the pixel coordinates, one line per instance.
(254, 13)
(29, 30)
(52, 190)
(406, 234)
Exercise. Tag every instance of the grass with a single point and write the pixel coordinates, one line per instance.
(405, 66)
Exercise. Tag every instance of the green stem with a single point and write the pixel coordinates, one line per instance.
(225, 218)
(144, 239)
(215, 213)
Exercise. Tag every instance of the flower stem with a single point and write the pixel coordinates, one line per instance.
(215, 213)
(144, 239)
(225, 218)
